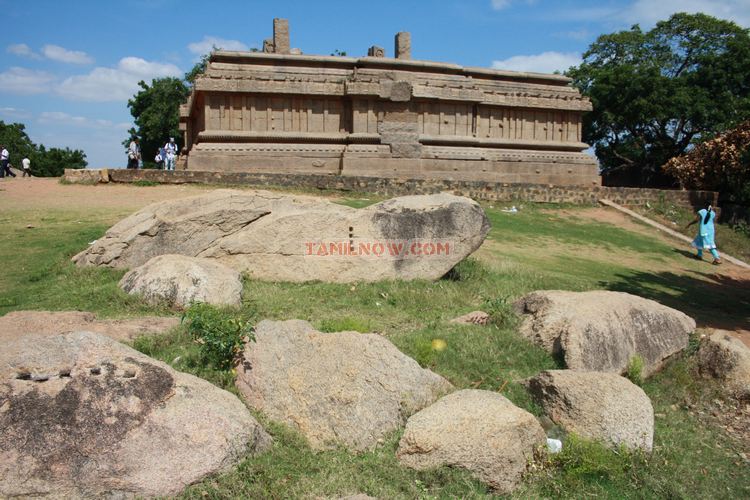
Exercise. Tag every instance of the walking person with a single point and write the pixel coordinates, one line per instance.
(134, 153)
(5, 163)
(26, 164)
(705, 238)
(170, 152)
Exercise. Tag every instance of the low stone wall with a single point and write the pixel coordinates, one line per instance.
(503, 192)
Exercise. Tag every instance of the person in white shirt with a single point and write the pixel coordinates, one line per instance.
(4, 163)
(134, 153)
(26, 163)
(170, 151)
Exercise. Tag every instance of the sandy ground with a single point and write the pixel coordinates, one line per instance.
(39, 194)
(45, 193)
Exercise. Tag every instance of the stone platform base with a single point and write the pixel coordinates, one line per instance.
(390, 187)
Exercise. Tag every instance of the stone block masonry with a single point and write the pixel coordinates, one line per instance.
(391, 187)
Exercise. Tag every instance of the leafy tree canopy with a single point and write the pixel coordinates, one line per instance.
(45, 162)
(657, 93)
(156, 112)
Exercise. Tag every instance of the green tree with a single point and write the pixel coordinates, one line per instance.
(657, 93)
(44, 162)
(156, 112)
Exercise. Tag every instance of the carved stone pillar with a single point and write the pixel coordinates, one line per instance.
(403, 45)
(281, 36)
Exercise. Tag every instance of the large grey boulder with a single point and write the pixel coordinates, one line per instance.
(596, 405)
(347, 388)
(279, 237)
(480, 431)
(179, 281)
(726, 358)
(17, 324)
(602, 330)
(82, 415)
(186, 226)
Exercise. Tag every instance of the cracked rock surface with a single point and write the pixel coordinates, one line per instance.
(337, 389)
(82, 415)
(279, 237)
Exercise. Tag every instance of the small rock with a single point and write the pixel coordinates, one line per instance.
(480, 431)
(179, 281)
(473, 318)
(596, 405)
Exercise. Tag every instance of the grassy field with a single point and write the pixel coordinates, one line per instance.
(536, 248)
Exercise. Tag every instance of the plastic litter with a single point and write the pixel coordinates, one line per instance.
(554, 445)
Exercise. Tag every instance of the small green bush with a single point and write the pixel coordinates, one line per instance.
(635, 370)
(501, 311)
(220, 333)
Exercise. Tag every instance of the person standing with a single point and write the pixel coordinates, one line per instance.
(26, 164)
(134, 153)
(705, 238)
(4, 163)
(170, 151)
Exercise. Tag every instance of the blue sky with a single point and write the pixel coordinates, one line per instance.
(67, 68)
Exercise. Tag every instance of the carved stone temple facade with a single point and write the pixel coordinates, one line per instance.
(279, 111)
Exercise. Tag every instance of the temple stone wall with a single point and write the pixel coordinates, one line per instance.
(478, 190)
(383, 117)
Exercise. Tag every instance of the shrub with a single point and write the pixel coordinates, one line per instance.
(635, 370)
(501, 311)
(220, 333)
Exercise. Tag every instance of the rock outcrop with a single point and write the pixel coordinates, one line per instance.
(480, 431)
(82, 415)
(17, 324)
(726, 358)
(177, 280)
(602, 330)
(347, 388)
(279, 237)
(596, 405)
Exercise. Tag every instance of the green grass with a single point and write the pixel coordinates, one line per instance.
(533, 249)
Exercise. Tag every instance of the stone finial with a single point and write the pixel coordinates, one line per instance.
(376, 51)
(403, 45)
(281, 36)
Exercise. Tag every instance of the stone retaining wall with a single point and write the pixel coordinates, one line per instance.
(503, 192)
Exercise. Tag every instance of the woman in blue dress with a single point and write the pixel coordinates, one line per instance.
(705, 238)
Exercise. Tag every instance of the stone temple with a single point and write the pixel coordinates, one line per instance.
(279, 111)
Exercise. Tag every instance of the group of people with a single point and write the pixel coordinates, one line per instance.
(165, 157)
(5, 165)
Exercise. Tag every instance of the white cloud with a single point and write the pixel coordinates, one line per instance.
(115, 84)
(504, 4)
(25, 81)
(546, 62)
(209, 42)
(61, 54)
(60, 118)
(15, 114)
(648, 12)
(22, 50)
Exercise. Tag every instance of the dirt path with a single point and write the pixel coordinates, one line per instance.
(45, 193)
